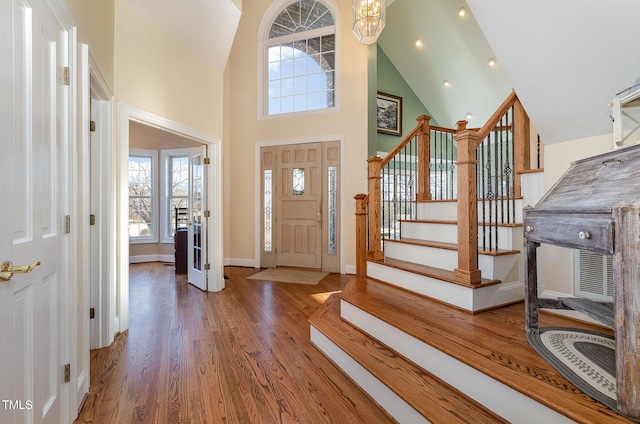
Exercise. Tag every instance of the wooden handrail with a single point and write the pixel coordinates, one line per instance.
(468, 140)
(495, 118)
(400, 146)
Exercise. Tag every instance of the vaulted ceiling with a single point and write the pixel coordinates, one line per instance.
(453, 49)
(565, 59)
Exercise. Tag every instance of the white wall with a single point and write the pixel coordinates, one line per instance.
(557, 263)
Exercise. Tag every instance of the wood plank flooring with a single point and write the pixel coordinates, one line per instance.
(239, 356)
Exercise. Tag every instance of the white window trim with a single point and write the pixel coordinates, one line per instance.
(165, 215)
(153, 154)
(264, 41)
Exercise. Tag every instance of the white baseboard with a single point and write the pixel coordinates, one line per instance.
(151, 258)
(350, 269)
(248, 263)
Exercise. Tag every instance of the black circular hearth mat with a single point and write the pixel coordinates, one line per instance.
(585, 358)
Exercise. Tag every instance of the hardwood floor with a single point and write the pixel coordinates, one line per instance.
(239, 356)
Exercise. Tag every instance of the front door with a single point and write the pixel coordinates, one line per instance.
(34, 141)
(197, 239)
(299, 206)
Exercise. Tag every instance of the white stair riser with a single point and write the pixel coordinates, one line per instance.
(503, 267)
(498, 397)
(388, 399)
(452, 294)
(448, 211)
(508, 237)
(532, 187)
(440, 258)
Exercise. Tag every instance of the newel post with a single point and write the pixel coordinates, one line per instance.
(467, 271)
(361, 236)
(375, 244)
(521, 144)
(424, 157)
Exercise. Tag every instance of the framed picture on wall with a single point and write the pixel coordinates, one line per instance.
(389, 114)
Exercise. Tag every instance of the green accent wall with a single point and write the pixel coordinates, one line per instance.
(390, 81)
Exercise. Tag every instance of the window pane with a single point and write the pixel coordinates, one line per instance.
(140, 217)
(298, 65)
(298, 181)
(332, 213)
(267, 209)
(140, 176)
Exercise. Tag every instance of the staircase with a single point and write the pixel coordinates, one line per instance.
(408, 328)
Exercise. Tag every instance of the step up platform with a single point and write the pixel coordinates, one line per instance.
(439, 284)
(414, 355)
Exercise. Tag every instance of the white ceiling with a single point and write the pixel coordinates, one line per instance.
(565, 59)
(207, 27)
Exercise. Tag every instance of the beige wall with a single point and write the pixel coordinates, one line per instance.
(557, 263)
(95, 21)
(158, 74)
(245, 130)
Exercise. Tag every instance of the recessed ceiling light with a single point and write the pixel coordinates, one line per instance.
(469, 115)
(462, 11)
(492, 61)
(418, 42)
(447, 83)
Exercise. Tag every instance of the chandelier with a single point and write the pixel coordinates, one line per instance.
(368, 19)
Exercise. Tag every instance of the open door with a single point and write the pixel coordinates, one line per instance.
(197, 263)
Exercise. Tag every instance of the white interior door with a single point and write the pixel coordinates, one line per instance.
(197, 244)
(34, 134)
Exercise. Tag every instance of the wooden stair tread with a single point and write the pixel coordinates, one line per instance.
(493, 342)
(430, 271)
(449, 246)
(600, 311)
(431, 397)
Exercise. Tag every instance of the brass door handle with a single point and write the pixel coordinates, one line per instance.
(7, 269)
(318, 217)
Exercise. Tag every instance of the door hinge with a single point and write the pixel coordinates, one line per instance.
(67, 373)
(92, 313)
(207, 161)
(207, 214)
(92, 219)
(207, 267)
(67, 224)
(92, 126)
(67, 78)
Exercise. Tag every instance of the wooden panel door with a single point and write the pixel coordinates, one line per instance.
(299, 198)
(34, 141)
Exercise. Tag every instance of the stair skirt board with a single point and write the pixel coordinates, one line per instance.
(453, 294)
(498, 397)
(385, 397)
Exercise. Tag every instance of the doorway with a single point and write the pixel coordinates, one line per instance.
(126, 114)
(167, 202)
(300, 204)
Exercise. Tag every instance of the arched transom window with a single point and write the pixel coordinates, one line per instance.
(301, 58)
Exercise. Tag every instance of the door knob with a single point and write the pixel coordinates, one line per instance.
(7, 269)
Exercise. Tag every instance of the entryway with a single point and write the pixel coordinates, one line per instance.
(300, 204)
